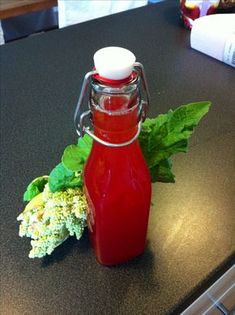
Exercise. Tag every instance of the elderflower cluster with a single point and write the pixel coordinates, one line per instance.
(50, 218)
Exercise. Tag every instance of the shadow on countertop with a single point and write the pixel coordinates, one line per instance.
(63, 250)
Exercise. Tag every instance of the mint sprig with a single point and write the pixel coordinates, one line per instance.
(61, 178)
(67, 174)
(168, 134)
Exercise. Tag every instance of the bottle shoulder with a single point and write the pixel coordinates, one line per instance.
(125, 162)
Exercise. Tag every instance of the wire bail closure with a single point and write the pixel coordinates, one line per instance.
(79, 124)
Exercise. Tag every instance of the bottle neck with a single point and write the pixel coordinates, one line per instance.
(115, 110)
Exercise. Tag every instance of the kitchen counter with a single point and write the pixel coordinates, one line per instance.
(191, 239)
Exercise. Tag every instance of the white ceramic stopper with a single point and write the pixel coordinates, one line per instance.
(114, 63)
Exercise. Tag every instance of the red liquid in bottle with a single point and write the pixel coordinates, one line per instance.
(117, 184)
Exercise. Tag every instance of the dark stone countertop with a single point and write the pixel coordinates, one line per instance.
(191, 237)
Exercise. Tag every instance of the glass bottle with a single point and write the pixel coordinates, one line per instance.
(116, 178)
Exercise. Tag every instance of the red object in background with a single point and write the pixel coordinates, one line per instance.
(191, 10)
(117, 181)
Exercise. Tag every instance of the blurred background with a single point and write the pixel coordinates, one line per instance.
(21, 18)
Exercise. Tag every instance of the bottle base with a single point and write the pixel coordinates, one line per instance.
(120, 261)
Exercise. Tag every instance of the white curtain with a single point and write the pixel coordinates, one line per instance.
(77, 11)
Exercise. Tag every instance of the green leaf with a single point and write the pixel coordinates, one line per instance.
(75, 182)
(67, 174)
(162, 172)
(71, 158)
(35, 187)
(168, 134)
(61, 178)
(85, 144)
(75, 156)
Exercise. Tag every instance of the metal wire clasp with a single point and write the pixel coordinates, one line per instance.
(80, 127)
